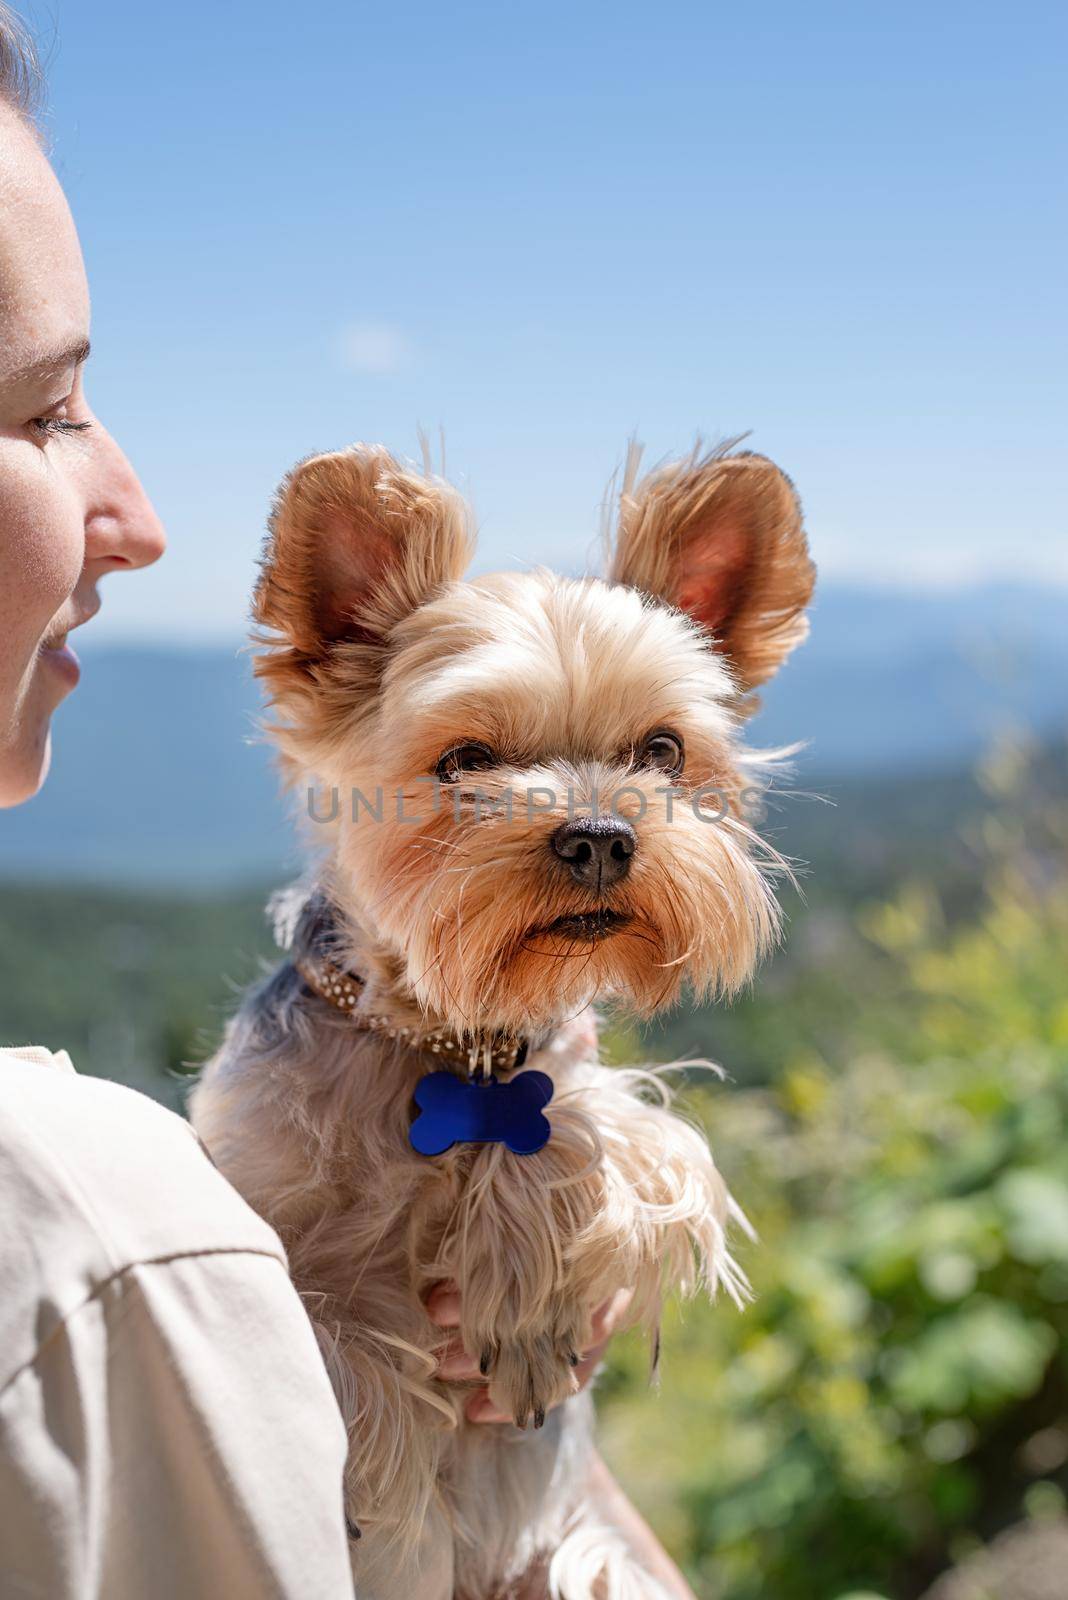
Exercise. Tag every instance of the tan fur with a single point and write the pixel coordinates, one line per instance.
(720, 536)
(354, 543)
(383, 659)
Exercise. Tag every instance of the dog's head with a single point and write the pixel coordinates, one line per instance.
(549, 781)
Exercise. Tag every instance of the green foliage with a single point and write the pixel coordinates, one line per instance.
(900, 1382)
(135, 986)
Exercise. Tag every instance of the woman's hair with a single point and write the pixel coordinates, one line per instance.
(20, 69)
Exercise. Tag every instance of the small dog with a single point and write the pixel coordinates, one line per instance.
(546, 779)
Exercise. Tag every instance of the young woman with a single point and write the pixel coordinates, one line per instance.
(166, 1424)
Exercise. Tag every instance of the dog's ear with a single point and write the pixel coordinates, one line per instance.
(355, 543)
(720, 537)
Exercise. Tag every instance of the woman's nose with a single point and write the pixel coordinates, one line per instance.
(121, 525)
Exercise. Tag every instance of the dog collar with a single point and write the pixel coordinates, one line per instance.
(481, 1057)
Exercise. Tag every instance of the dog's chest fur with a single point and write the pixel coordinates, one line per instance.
(309, 1117)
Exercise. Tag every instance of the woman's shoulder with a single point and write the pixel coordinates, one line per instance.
(95, 1178)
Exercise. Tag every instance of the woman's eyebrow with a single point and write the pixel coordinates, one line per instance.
(54, 361)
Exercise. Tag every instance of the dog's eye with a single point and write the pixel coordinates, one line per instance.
(662, 750)
(465, 758)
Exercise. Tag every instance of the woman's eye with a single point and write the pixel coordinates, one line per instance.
(51, 426)
(663, 751)
(465, 758)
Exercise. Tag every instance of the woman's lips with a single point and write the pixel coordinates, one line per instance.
(56, 650)
(61, 658)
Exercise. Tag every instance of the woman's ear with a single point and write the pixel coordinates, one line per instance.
(355, 543)
(720, 537)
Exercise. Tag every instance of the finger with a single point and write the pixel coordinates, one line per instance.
(589, 1364)
(455, 1363)
(480, 1408)
(608, 1316)
(443, 1305)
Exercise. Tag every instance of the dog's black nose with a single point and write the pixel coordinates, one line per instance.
(596, 850)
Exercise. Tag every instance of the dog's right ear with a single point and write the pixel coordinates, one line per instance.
(719, 536)
(355, 543)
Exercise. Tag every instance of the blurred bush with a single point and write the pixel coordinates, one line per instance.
(898, 1389)
(135, 985)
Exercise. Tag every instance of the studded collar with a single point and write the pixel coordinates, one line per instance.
(480, 1057)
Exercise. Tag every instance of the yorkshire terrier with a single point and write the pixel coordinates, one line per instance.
(537, 802)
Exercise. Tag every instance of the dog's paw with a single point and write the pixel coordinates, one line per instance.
(528, 1375)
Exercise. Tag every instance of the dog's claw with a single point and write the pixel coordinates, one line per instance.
(528, 1407)
(351, 1529)
(485, 1361)
(530, 1380)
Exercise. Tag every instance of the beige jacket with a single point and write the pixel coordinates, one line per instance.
(167, 1428)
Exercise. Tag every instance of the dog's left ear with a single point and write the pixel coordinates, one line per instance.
(720, 537)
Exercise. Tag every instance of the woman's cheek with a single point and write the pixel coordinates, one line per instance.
(42, 553)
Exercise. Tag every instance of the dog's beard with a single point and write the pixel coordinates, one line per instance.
(493, 934)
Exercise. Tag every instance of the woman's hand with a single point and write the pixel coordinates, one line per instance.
(443, 1307)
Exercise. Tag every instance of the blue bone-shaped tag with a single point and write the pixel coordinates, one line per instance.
(454, 1112)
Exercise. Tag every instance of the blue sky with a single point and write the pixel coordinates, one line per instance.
(542, 228)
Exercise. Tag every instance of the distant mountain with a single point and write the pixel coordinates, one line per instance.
(157, 776)
(892, 681)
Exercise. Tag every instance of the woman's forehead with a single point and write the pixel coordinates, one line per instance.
(44, 298)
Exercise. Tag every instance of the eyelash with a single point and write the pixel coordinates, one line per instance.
(58, 425)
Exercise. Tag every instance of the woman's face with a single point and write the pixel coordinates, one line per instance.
(71, 508)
